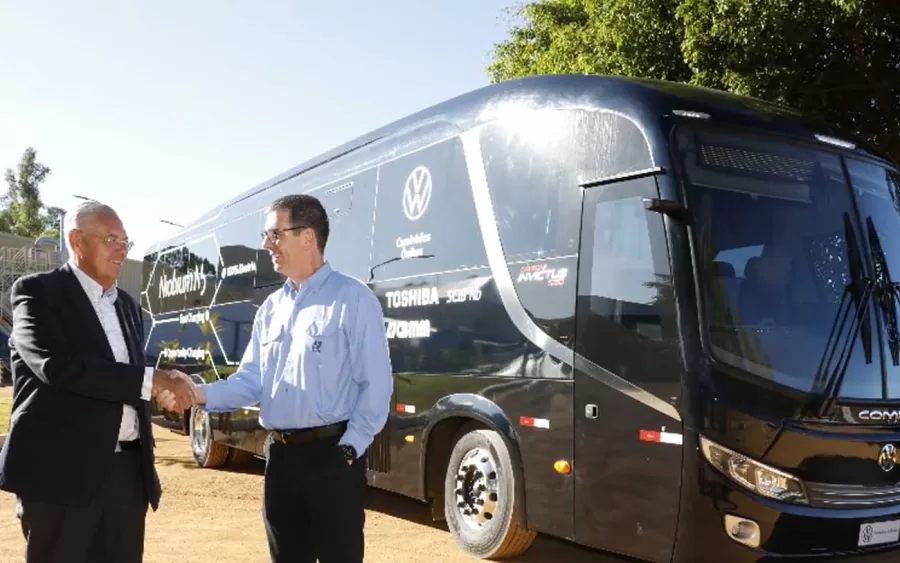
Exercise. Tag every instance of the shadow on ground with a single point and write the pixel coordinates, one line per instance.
(544, 549)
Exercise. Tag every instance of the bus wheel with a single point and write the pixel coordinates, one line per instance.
(480, 502)
(207, 453)
(240, 457)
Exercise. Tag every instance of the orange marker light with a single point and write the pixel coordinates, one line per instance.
(410, 439)
(562, 466)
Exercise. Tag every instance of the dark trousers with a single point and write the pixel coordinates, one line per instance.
(110, 529)
(314, 503)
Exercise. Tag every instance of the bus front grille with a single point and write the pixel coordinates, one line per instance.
(829, 495)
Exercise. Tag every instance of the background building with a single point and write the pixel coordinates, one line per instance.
(21, 255)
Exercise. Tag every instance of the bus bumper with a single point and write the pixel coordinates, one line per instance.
(784, 532)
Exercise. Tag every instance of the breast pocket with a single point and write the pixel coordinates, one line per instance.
(325, 354)
(272, 344)
(323, 341)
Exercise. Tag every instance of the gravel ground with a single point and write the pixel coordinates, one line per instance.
(214, 515)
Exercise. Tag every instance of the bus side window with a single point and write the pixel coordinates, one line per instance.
(535, 164)
(625, 296)
(350, 204)
(425, 219)
(533, 189)
(239, 245)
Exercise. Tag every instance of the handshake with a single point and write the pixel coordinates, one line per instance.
(175, 391)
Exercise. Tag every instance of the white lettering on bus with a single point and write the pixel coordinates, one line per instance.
(408, 329)
(464, 294)
(190, 282)
(419, 238)
(183, 353)
(414, 297)
(198, 317)
(408, 248)
(238, 269)
(541, 273)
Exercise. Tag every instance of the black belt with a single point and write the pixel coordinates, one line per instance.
(130, 445)
(304, 435)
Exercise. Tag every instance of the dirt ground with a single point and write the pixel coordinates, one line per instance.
(221, 509)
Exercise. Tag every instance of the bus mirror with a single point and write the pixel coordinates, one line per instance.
(668, 207)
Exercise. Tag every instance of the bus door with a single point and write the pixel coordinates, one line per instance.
(627, 374)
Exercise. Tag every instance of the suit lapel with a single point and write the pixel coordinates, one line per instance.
(85, 310)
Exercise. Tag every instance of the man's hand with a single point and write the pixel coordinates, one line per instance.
(349, 453)
(174, 390)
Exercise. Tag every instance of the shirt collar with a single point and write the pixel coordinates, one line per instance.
(310, 284)
(93, 289)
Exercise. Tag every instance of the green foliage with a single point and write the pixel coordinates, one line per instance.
(52, 216)
(21, 209)
(621, 37)
(836, 59)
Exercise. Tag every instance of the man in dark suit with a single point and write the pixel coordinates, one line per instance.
(79, 454)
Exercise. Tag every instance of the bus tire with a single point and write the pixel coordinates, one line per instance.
(238, 457)
(480, 502)
(207, 453)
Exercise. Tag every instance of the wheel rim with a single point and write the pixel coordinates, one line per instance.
(199, 432)
(477, 487)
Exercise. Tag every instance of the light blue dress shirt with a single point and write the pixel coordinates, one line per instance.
(316, 356)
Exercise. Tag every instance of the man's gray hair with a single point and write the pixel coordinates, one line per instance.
(82, 214)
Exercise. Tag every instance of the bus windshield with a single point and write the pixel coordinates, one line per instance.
(798, 253)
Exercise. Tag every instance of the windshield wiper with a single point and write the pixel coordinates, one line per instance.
(829, 379)
(887, 298)
(830, 376)
(886, 295)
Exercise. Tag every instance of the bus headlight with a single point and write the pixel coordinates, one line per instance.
(757, 477)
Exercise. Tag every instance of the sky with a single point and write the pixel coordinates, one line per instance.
(163, 109)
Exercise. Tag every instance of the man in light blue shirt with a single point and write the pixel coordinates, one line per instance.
(318, 364)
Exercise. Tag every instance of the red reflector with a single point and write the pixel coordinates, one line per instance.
(649, 436)
(526, 421)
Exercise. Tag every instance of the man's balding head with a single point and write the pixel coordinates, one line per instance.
(97, 241)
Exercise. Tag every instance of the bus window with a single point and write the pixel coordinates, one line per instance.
(239, 245)
(183, 276)
(878, 194)
(350, 204)
(624, 277)
(425, 219)
(796, 204)
(534, 165)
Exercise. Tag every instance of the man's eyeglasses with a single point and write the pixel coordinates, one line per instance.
(113, 241)
(274, 235)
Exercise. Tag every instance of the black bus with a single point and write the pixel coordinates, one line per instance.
(654, 319)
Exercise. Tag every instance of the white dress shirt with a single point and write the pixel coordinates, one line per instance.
(104, 305)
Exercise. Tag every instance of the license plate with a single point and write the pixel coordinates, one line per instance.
(875, 533)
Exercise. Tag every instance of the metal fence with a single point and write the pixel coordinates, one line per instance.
(18, 262)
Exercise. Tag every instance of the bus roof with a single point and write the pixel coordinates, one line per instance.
(567, 90)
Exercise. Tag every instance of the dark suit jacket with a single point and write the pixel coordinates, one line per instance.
(68, 392)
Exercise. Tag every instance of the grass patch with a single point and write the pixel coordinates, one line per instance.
(6, 398)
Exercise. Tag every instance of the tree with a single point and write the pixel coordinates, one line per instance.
(52, 216)
(22, 214)
(835, 59)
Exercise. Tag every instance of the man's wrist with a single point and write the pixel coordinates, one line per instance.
(348, 451)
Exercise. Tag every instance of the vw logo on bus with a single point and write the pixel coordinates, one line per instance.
(417, 193)
(887, 459)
